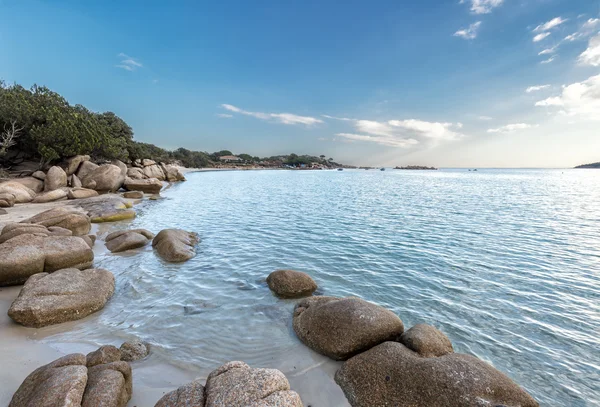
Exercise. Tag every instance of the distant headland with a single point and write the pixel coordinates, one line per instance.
(415, 167)
(593, 165)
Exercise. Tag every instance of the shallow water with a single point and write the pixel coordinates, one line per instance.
(505, 262)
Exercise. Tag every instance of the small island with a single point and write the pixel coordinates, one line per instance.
(416, 167)
(593, 165)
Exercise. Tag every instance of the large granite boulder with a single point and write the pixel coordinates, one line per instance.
(7, 200)
(149, 186)
(105, 178)
(392, 375)
(189, 395)
(65, 295)
(427, 341)
(135, 173)
(29, 254)
(104, 354)
(172, 173)
(122, 166)
(146, 162)
(21, 193)
(106, 208)
(57, 384)
(56, 178)
(68, 382)
(58, 194)
(235, 384)
(32, 183)
(128, 240)
(343, 327)
(13, 230)
(175, 245)
(76, 182)
(134, 350)
(81, 193)
(71, 164)
(85, 168)
(291, 284)
(154, 171)
(65, 217)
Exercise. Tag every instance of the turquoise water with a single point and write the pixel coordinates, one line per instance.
(505, 262)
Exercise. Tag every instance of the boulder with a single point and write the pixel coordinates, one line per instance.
(427, 341)
(65, 295)
(55, 178)
(390, 374)
(128, 240)
(32, 183)
(82, 193)
(29, 254)
(175, 245)
(105, 178)
(135, 173)
(133, 194)
(189, 395)
(21, 193)
(13, 230)
(51, 196)
(235, 384)
(75, 181)
(106, 208)
(172, 173)
(146, 162)
(149, 186)
(41, 175)
(90, 240)
(58, 231)
(7, 200)
(71, 164)
(104, 354)
(60, 383)
(291, 284)
(134, 350)
(66, 217)
(122, 166)
(154, 171)
(86, 168)
(108, 384)
(343, 327)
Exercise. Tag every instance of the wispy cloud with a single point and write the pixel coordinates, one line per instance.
(469, 33)
(284, 118)
(536, 88)
(555, 22)
(128, 63)
(548, 51)
(345, 119)
(580, 99)
(591, 56)
(486, 118)
(540, 37)
(389, 141)
(587, 29)
(511, 128)
(549, 60)
(482, 6)
(224, 115)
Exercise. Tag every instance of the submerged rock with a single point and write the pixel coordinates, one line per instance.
(427, 341)
(175, 245)
(189, 395)
(29, 254)
(148, 186)
(66, 217)
(343, 327)
(128, 240)
(21, 193)
(235, 384)
(65, 295)
(392, 375)
(56, 178)
(291, 284)
(134, 350)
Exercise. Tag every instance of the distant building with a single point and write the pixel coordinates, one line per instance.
(230, 159)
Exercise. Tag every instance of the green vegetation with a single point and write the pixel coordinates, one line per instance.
(39, 124)
(593, 165)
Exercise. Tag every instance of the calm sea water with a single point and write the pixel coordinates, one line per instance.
(505, 262)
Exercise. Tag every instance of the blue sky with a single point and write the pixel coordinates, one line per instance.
(487, 83)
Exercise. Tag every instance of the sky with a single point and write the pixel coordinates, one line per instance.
(453, 83)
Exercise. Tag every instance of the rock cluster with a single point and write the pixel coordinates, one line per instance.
(291, 284)
(123, 240)
(175, 245)
(106, 208)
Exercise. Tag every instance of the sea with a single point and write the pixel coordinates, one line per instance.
(505, 262)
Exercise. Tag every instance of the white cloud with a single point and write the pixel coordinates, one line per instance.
(591, 56)
(536, 88)
(128, 63)
(587, 29)
(548, 51)
(540, 37)
(511, 128)
(470, 32)
(285, 118)
(483, 6)
(484, 118)
(580, 99)
(225, 116)
(547, 61)
(389, 141)
(555, 22)
(345, 119)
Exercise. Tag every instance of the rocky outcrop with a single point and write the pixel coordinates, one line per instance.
(154, 171)
(69, 382)
(236, 384)
(189, 395)
(7, 200)
(146, 162)
(343, 327)
(175, 245)
(427, 341)
(105, 178)
(32, 183)
(133, 194)
(75, 181)
(41, 175)
(291, 284)
(81, 193)
(148, 186)
(13, 230)
(65, 295)
(85, 168)
(128, 240)
(135, 173)
(56, 178)
(71, 164)
(65, 217)
(29, 254)
(107, 208)
(51, 196)
(134, 350)
(122, 166)
(390, 374)
(172, 173)
(21, 193)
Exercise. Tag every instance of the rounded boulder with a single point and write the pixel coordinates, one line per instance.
(291, 284)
